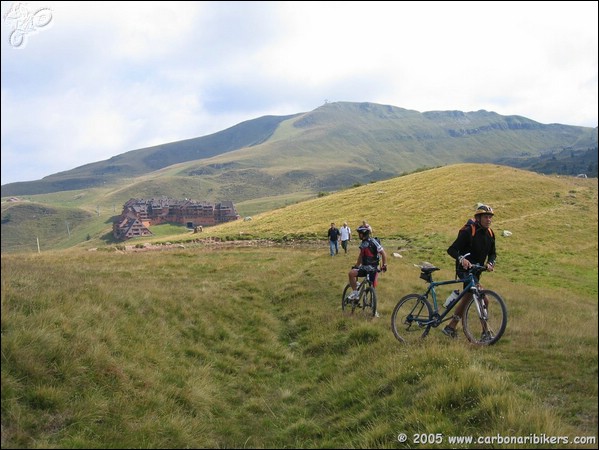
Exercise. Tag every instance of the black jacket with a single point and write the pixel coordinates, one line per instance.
(481, 246)
(333, 234)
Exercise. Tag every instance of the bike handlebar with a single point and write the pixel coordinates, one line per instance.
(473, 266)
(377, 269)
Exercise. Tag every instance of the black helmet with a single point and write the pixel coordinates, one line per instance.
(363, 229)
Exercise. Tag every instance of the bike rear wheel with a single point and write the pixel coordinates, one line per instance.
(409, 317)
(486, 327)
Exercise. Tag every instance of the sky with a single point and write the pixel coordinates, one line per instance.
(85, 81)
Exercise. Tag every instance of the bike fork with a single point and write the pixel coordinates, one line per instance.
(481, 309)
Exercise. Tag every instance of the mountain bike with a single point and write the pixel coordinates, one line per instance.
(366, 301)
(483, 322)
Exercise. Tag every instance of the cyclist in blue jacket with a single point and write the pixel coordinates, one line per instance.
(475, 244)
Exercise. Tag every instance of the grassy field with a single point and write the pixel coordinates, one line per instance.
(244, 344)
(248, 347)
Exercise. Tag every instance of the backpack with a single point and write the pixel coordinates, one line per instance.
(471, 223)
(374, 249)
(370, 255)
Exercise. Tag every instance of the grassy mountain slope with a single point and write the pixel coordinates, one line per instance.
(334, 146)
(26, 224)
(424, 210)
(216, 346)
(138, 162)
(400, 200)
(565, 162)
(272, 162)
(343, 144)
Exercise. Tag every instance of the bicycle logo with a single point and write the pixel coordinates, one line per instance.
(25, 22)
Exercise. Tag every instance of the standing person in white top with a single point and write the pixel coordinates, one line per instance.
(345, 236)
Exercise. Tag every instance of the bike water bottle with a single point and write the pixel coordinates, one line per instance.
(451, 298)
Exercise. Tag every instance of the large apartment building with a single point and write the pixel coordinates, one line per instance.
(139, 214)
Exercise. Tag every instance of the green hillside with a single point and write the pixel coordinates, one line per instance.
(423, 211)
(143, 161)
(332, 147)
(26, 224)
(238, 340)
(272, 162)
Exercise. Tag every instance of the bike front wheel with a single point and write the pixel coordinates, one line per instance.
(348, 305)
(368, 298)
(485, 318)
(345, 303)
(411, 317)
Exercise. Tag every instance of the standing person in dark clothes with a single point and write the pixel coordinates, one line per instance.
(334, 235)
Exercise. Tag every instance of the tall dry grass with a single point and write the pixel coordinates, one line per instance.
(248, 347)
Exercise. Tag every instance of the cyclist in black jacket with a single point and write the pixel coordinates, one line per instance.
(368, 260)
(475, 244)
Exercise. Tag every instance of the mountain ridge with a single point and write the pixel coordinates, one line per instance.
(382, 141)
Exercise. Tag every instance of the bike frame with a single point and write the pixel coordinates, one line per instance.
(364, 282)
(438, 317)
(365, 279)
